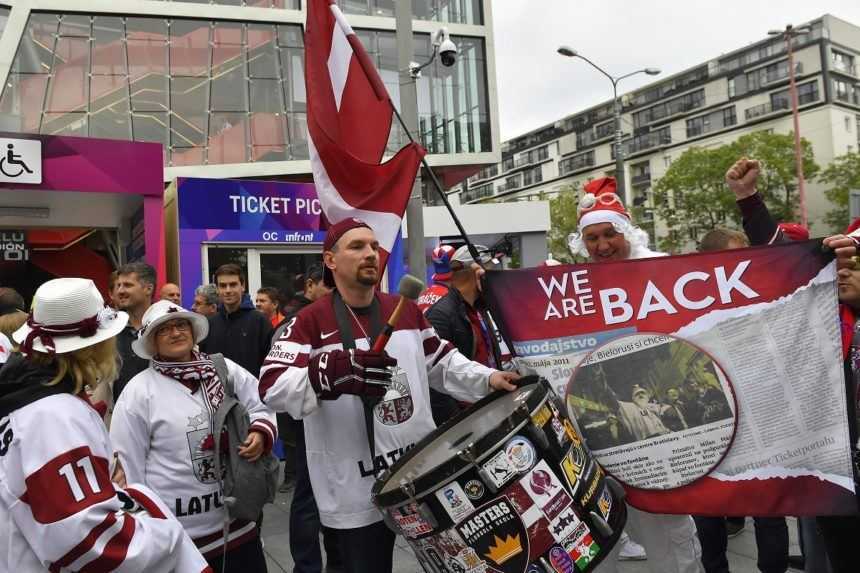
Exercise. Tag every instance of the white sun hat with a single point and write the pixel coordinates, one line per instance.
(158, 314)
(68, 314)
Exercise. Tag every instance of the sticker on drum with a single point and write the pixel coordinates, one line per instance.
(657, 411)
(560, 560)
(542, 416)
(499, 469)
(545, 490)
(573, 465)
(564, 525)
(474, 489)
(604, 504)
(497, 534)
(455, 501)
(582, 549)
(521, 453)
(409, 520)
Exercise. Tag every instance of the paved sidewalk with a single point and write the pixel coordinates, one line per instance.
(742, 549)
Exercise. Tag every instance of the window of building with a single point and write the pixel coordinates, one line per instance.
(508, 163)
(842, 90)
(729, 117)
(669, 108)
(288, 4)
(455, 11)
(532, 176)
(731, 84)
(842, 62)
(807, 93)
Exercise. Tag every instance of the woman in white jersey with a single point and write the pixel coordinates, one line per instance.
(162, 431)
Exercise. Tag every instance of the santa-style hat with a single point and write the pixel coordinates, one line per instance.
(601, 204)
(853, 228)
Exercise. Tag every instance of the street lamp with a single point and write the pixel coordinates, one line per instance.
(788, 35)
(619, 154)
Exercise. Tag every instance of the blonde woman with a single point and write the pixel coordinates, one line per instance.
(58, 507)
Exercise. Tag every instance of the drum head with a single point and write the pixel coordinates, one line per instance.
(474, 427)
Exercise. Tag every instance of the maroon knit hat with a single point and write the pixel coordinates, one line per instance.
(335, 232)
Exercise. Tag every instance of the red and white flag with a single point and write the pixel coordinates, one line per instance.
(349, 119)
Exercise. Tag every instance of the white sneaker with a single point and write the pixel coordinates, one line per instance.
(630, 550)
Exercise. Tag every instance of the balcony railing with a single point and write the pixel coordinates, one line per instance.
(644, 142)
(641, 179)
(766, 108)
(509, 186)
(476, 193)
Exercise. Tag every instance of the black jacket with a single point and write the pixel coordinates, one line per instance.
(243, 336)
(450, 319)
(132, 364)
(299, 302)
(22, 383)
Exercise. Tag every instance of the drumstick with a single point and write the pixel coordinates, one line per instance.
(409, 288)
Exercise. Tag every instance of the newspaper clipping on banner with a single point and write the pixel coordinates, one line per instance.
(710, 383)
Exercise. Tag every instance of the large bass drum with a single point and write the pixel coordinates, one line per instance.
(505, 487)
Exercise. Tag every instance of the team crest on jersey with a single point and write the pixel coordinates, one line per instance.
(396, 406)
(202, 461)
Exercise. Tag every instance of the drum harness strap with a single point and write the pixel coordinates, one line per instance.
(342, 315)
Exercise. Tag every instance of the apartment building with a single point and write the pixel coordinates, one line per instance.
(708, 105)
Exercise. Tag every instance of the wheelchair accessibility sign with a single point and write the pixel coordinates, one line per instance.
(20, 160)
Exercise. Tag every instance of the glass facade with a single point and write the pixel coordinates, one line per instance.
(453, 109)
(289, 4)
(457, 11)
(215, 92)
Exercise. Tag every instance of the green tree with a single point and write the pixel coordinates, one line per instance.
(841, 176)
(778, 180)
(563, 220)
(692, 197)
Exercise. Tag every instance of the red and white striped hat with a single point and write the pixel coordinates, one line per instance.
(601, 204)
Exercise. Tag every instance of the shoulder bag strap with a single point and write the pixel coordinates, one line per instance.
(347, 337)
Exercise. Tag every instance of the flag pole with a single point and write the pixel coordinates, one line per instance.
(496, 351)
(438, 186)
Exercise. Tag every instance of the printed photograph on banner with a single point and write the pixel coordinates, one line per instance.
(455, 501)
(656, 411)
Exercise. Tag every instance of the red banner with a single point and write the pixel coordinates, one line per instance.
(708, 384)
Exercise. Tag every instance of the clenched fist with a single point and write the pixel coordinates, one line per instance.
(741, 177)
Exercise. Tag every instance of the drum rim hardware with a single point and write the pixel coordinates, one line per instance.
(394, 499)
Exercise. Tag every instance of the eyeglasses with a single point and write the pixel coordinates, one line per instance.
(181, 326)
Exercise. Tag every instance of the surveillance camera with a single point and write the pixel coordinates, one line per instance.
(447, 48)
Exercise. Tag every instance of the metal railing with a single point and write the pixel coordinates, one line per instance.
(766, 108)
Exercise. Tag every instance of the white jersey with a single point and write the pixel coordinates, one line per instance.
(59, 509)
(162, 432)
(341, 469)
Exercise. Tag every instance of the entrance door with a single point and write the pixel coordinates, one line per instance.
(270, 267)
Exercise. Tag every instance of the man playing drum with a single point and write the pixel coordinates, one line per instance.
(606, 233)
(323, 370)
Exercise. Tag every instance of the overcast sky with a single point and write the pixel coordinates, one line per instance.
(537, 86)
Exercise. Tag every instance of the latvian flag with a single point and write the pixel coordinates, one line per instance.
(349, 119)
